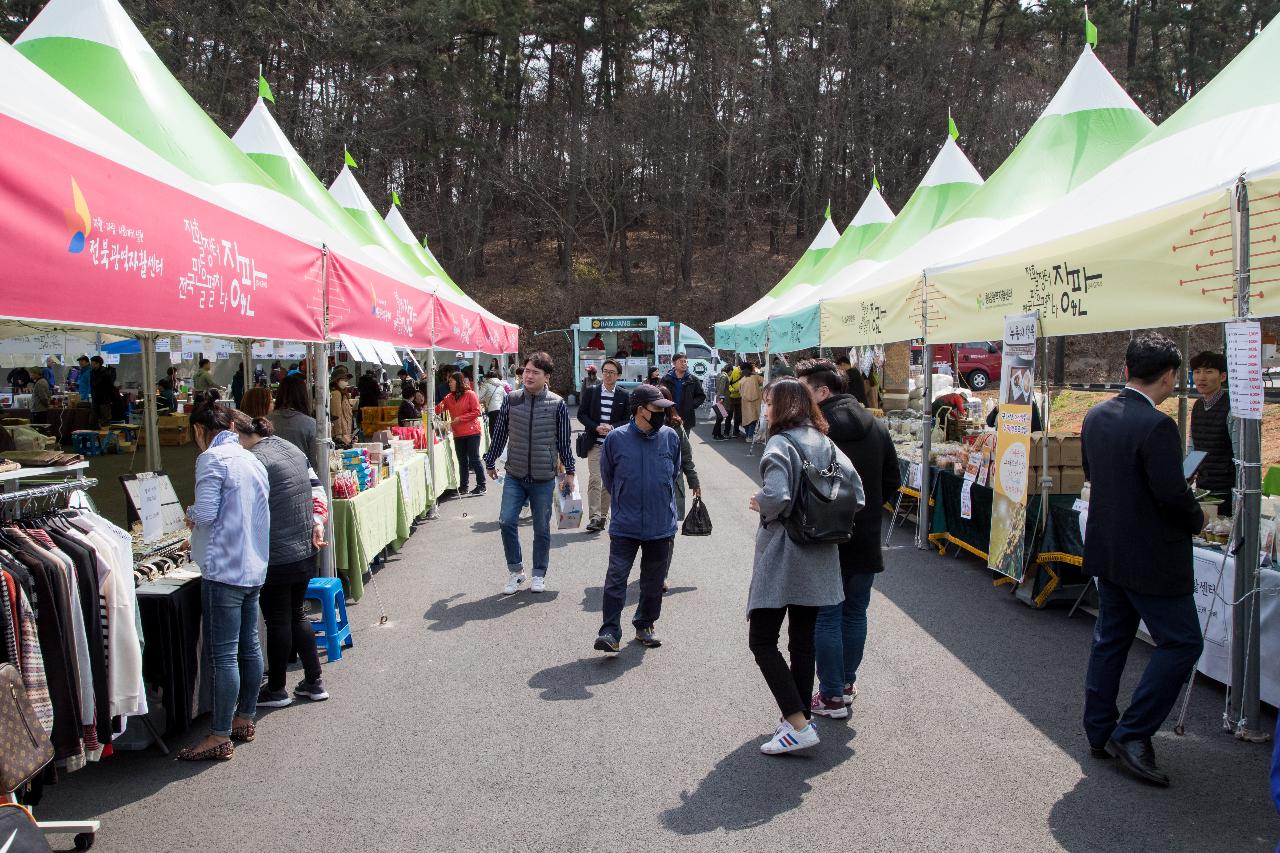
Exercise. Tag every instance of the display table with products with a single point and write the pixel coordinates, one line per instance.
(1214, 594)
(444, 474)
(170, 613)
(362, 527)
(1059, 552)
(412, 479)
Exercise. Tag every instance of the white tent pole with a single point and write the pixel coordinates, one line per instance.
(324, 428)
(150, 424)
(1246, 614)
(926, 412)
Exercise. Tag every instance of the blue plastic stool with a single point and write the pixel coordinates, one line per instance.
(86, 442)
(332, 631)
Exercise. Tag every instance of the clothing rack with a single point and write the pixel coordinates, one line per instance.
(85, 831)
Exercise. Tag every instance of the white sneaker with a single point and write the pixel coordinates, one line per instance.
(790, 739)
(539, 584)
(514, 579)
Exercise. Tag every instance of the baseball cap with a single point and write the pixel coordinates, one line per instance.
(648, 395)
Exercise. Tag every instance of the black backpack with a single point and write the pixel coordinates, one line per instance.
(823, 508)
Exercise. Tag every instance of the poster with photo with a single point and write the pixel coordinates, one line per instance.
(1011, 465)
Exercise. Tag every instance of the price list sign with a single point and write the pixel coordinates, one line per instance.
(1244, 369)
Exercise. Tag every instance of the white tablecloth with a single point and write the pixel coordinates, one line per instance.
(1215, 585)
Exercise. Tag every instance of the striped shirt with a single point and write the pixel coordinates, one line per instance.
(606, 410)
(564, 443)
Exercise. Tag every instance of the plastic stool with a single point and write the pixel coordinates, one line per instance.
(86, 442)
(332, 631)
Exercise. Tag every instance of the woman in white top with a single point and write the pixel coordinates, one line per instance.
(492, 393)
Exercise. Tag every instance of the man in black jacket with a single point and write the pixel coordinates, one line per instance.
(604, 406)
(685, 389)
(1142, 516)
(841, 631)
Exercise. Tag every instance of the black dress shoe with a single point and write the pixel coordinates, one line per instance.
(1140, 759)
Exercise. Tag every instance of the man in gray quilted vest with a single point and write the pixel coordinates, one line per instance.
(536, 424)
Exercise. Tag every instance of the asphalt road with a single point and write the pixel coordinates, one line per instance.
(475, 721)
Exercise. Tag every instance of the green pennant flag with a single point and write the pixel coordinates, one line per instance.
(951, 126)
(875, 182)
(348, 159)
(264, 90)
(828, 208)
(1090, 31)
(395, 198)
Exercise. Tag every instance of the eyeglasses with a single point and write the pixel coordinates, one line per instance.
(610, 370)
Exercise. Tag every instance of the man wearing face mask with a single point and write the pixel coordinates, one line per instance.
(638, 464)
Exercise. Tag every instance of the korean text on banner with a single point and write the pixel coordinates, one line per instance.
(1013, 447)
(82, 226)
(1244, 369)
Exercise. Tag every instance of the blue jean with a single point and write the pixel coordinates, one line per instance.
(515, 494)
(1174, 624)
(751, 430)
(840, 636)
(231, 636)
(655, 561)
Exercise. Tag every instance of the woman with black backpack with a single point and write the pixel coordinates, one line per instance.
(808, 488)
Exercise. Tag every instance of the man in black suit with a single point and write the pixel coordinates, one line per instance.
(604, 406)
(1142, 516)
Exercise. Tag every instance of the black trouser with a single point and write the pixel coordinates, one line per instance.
(288, 630)
(735, 416)
(791, 686)
(467, 448)
(655, 560)
(493, 422)
(716, 430)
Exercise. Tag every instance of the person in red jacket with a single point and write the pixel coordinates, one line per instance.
(463, 407)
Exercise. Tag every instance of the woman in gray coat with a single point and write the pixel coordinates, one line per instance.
(789, 580)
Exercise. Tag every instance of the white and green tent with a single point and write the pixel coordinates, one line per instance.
(949, 183)
(797, 330)
(1089, 123)
(1147, 242)
(94, 49)
(745, 332)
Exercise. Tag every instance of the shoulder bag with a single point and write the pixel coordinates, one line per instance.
(824, 505)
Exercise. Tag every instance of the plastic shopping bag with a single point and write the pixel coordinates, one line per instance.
(569, 506)
(698, 521)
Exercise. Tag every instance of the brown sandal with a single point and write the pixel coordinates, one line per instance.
(220, 752)
(243, 734)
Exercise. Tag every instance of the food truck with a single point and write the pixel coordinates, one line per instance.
(638, 343)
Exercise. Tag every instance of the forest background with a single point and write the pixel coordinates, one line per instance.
(660, 156)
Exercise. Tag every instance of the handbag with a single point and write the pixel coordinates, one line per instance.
(583, 443)
(25, 747)
(698, 521)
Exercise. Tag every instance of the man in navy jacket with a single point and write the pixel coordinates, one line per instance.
(639, 464)
(1137, 543)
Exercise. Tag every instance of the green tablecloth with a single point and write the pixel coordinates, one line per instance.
(445, 474)
(362, 527)
(412, 477)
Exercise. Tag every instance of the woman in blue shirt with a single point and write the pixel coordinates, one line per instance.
(230, 541)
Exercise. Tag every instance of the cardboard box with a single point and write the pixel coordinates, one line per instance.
(891, 401)
(1039, 441)
(1070, 480)
(1070, 451)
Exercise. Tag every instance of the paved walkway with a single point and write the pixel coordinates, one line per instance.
(474, 721)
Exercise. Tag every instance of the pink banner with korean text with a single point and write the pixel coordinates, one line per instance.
(87, 241)
(465, 329)
(365, 303)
